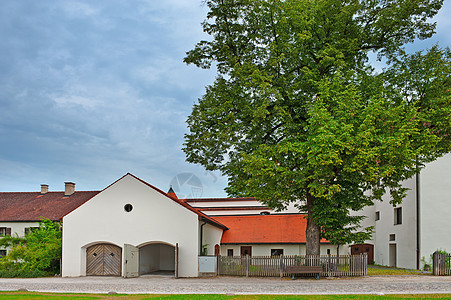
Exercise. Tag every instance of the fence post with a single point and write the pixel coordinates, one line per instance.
(218, 258)
(448, 263)
(435, 263)
(329, 265)
(365, 264)
(247, 265)
(281, 266)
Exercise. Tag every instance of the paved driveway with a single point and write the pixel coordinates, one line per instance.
(233, 285)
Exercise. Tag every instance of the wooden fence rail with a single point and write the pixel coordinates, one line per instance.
(441, 263)
(272, 266)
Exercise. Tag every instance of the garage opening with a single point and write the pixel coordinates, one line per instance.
(157, 259)
(103, 260)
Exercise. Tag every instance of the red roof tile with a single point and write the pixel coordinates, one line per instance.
(32, 206)
(274, 229)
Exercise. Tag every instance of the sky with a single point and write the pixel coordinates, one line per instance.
(92, 90)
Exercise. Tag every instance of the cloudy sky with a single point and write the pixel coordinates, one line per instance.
(91, 90)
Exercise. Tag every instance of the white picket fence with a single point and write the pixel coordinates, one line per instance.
(275, 266)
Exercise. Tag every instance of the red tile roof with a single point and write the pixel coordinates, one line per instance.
(266, 229)
(32, 206)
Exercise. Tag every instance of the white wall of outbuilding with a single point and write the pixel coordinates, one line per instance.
(154, 218)
(288, 249)
(435, 207)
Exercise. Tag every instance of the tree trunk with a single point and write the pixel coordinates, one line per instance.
(312, 232)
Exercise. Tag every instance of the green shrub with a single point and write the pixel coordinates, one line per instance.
(34, 255)
(23, 273)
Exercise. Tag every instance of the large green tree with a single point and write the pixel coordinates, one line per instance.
(298, 114)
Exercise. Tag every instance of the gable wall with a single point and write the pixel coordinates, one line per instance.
(154, 217)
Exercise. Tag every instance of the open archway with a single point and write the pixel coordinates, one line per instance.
(157, 258)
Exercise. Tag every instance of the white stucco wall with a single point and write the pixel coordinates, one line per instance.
(405, 233)
(230, 203)
(154, 217)
(288, 249)
(369, 220)
(435, 206)
(211, 236)
(17, 228)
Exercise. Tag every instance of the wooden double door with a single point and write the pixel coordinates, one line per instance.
(364, 248)
(103, 260)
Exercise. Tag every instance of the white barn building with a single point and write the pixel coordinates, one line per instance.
(406, 235)
(132, 228)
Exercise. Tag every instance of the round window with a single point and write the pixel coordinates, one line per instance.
(128, 207)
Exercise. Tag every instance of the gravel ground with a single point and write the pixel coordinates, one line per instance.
(232, 285)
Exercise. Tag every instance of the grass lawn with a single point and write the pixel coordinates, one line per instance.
(382, 270)
(56, 296)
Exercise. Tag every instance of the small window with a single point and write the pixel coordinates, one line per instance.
(391, 237)
(4, 231)
(378, 215)
(328, 251)
(30, 229)
(264, 213)
(229, 252)
(276, 252)
(2, 253)
(398, 215)
(128, 207)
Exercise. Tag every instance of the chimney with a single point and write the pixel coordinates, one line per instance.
(44, 189)
(69, 188)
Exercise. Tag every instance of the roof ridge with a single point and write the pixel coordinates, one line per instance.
(187, 206)
(38, 192)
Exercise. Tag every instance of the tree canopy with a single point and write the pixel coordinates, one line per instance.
(297, 112)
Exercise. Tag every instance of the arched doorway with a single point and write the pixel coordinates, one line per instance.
(157, 259)
(103, 260)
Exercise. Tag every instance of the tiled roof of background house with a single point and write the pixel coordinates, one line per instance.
(32, 206)
(264, 229)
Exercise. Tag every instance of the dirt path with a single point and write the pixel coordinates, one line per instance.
(233, 285)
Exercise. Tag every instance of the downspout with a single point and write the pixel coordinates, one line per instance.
(201, 234)
(417, 196)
